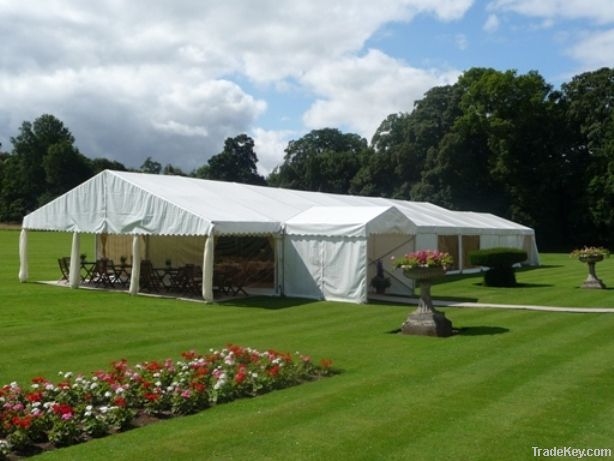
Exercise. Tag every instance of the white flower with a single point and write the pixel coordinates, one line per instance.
(89, 408)
(35, 386)
(49, 387)
(156, 375)
(94, 378)
(87, 414)
(158, 383)
(93, 385)
(103, 409)
(68, 374)
(108, 394)
(36, 404)
(119, 390)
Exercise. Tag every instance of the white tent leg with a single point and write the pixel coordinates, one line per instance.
(279, 265)
(74, 274)
(207, 289)
(135, 275)
(461, 262)
(23, 256)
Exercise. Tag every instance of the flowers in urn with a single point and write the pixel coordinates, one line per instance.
(423, 259)
(591, 256)
(590, 252)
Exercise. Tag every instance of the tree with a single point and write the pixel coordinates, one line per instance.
(24, 182)
(101, 164)
(237, 162)
(172, 170)
(323, 160)
(65, 168)
(589, 103)
(151, 166)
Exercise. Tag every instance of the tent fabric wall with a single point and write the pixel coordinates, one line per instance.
(332, 268)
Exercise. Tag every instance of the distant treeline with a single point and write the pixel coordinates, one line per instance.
(494, 142)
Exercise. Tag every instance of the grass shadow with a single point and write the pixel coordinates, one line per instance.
(480, 331)
(467, 331)
(266, 302)
(518, 285)
(459, 299)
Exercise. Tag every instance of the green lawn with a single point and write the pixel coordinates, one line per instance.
(556, 283)
(512, 380)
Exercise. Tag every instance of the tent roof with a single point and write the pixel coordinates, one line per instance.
(138, 203)
(350, 221)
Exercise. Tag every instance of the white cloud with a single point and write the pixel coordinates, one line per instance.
(359, 92)
(269, 146)
(491, 24)
(600, 11)
(461, 41)
(594, 50)
(137, 78)
(127, 114)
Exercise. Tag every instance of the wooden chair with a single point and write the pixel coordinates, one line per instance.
(103, 273)
(189, 280)
(149, 280)
(64, 264)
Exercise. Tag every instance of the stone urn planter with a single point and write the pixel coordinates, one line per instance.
(426, 320)
(592, 281)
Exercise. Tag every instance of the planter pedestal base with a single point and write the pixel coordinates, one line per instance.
(592, 281)
(426, 321)
(432, 323)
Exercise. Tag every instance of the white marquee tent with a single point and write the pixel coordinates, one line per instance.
(326, 245)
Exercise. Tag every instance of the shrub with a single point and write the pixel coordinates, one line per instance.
(500, 262)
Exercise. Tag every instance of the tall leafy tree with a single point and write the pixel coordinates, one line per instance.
(589, 103)
(100, 164)
(32, 174)
(237, 162)
(323, 160)
(151, 166)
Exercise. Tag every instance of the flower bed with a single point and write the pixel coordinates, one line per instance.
(78, 408)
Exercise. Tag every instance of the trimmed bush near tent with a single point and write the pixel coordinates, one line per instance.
(500, 262)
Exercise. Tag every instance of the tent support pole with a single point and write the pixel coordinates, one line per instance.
(279, 264)
(74, 273)
(135, 275)
(461, 262)
(208, 257)
(23, 256)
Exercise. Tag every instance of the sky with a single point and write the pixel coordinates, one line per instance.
(173, 79)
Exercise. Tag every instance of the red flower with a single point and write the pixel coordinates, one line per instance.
(34, 396)
(241, 375)
(326, 363)
(153, 366)
(62, 409)
(189, 355)
(201, 371)
(151, 396)
(120, 365)
(198, 387)
(39, 380)
(23, 423)
(120, 401)
(273, 371)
